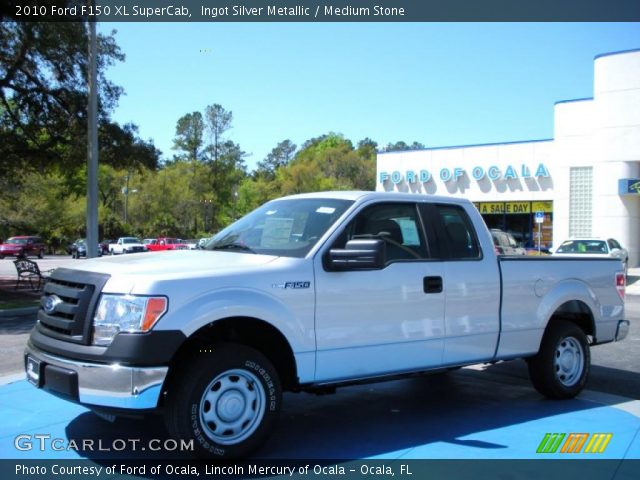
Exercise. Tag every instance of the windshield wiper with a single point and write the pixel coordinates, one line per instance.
(233, 246)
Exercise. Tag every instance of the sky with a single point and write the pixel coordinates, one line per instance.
(439, 84)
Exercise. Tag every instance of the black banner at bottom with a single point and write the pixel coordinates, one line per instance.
(560, 469)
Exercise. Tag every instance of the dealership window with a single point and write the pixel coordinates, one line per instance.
(580, 201)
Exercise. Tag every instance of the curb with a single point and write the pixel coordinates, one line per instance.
(11, 378)
(18, 312)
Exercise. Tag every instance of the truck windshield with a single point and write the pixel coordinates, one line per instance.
(288, 228)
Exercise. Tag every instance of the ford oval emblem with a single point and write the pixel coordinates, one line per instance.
(50, 303)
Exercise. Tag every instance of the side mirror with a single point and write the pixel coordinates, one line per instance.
(357, 255)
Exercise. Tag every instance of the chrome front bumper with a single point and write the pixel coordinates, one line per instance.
(623, 330)
(113, 385)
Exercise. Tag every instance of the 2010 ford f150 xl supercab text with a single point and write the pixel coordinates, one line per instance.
(307, 293)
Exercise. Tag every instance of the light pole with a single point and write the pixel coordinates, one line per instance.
(125, 192)
(92, 145)
(206, 202)
(235, 201)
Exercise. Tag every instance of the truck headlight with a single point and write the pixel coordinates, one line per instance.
(125, 313)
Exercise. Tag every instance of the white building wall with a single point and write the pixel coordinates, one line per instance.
(573, 146)
(617, 139)
(516, 155)
(602, 133)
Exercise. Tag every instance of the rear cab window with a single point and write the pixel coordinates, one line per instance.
(455, 233)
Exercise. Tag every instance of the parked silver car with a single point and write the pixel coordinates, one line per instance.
(593, 247)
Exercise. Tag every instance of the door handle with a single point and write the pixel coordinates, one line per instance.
(432, 284)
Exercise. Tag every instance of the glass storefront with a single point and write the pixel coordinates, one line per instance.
(518, 218)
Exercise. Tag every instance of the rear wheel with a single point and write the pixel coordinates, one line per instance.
(561, 367)
(227, 402)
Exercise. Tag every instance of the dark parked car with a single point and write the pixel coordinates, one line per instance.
(23, 246)
(104, 245)
(79, 248)
(505, 244)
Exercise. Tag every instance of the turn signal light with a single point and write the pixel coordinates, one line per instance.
(156, 306)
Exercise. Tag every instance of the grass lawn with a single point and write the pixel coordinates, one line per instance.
(12, 298)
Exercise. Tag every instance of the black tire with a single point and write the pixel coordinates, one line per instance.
(561, 367)
(230, 377)
(1, 257)
(40, 254)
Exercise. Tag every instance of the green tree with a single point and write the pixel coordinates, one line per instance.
(43, 95)
(280, 156)
(401, 146)
(217, 122)
(342, 167)
(44, 206)
(190, 136)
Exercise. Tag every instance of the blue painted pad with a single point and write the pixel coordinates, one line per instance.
(459, 416)
(520, 441)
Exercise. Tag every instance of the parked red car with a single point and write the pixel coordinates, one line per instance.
(167, 243)
(23, 245)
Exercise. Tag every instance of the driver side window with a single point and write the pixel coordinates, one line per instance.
(397, 224)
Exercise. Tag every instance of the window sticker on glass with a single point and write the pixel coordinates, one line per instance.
(326, 210)
(409, 231)
(276, 232)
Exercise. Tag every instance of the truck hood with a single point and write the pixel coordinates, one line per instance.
(173, 264)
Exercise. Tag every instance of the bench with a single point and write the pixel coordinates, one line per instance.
(28, 270)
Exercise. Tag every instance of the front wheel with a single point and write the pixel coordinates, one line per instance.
(561, 367)
(227, 402)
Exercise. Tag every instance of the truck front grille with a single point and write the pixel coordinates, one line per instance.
(67, 306)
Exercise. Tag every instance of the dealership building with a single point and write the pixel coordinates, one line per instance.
(583, 182)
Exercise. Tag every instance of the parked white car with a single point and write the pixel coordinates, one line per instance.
(127, 245)
(191, 243)
(593, 247)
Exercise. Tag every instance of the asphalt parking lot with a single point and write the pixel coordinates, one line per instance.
(481, 412)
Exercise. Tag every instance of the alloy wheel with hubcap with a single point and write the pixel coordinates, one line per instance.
(232, 406)
(227, 401)
(561, 367)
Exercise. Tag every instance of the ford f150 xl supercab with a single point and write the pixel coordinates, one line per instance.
(307, 293)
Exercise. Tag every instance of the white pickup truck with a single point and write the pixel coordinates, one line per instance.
(127, 245)
(307, 293)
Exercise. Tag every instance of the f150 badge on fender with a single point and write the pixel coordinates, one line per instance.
(294, 285)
